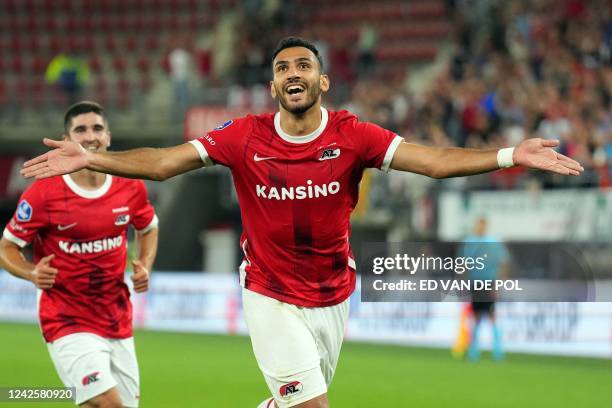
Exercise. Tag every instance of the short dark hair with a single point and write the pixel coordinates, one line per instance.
(290, 42)
(80, 108)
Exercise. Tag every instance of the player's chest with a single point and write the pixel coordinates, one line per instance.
(326, 160)
(80, 218)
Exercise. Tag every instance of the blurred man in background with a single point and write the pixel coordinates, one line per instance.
(78, 224)
(69, 73)
(483, 303)
(297, 175)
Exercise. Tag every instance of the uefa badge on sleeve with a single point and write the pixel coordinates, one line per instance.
(224, 125)
(24, 211)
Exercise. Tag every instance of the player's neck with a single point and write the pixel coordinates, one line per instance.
(301, 125)
(88, 179)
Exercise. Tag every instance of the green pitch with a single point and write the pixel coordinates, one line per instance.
(190, 370)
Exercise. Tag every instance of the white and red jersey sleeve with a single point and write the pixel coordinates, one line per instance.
(144, 218)
(29, 217)
(375, 145)
(226, 143)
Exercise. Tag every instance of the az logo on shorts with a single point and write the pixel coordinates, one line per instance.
(91, 378)
(290, 389)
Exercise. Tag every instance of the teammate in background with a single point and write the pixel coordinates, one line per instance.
(297, 176)
(483, 304)
(78, 225)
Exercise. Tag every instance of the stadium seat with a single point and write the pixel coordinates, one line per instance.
(55, 44)
(137, 23)
(145, 84)
(124, 92)
(31, 24)
(95, 64)
(33, 44)
(119, 64)
(17, 65)
(110, 44)
(21, 91)
(15, 45)
(49, 24)
(87, 24)
(38, 92)
(152, 43)
(3, 93)
(143, 65)
(100, 87)
(71, 25)
(88, 43)
(38, 65)
(131, 43)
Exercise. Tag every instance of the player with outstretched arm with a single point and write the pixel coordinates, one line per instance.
(297, 175)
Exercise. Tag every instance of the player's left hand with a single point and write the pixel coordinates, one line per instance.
(538, 154)
(140, 276)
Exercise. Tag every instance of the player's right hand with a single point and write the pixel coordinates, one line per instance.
(43, 276)
(66, 157)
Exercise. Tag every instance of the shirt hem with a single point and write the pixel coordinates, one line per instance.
(66, 332)
(262, 290)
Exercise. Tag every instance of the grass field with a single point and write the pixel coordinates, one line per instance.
(191, 370)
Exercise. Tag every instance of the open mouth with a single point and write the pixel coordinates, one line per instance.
(92, 148)
(295, 89)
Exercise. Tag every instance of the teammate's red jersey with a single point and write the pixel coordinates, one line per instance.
(296, 195)
(86, 230)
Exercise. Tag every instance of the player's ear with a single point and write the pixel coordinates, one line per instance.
(324, 82)
(65, 136)
(272, 90)
(109, 135)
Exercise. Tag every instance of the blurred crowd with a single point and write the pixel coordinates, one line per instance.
(517, 69)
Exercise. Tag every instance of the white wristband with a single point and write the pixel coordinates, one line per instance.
(504, 157)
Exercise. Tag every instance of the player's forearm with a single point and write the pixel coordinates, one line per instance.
(457, 162)
(147, 163)
(443, 162)
(147, 247)
(142, 163)
(13, 261)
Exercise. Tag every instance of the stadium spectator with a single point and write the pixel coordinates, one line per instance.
(181, 65)
(297, 175)
(69, 73)
(366, 47)
(517, 70)
(78, 226)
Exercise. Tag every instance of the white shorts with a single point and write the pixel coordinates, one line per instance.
(296, 348)
(94, 364)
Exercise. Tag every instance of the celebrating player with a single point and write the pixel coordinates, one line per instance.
(297, 176)
(78, 224)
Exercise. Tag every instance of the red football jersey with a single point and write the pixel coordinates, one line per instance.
(87, 231)
(296, 195)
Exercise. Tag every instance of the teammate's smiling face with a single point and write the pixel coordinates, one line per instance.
(90, 130)
(298, 82)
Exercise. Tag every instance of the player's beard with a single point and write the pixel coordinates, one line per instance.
(313, 92)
